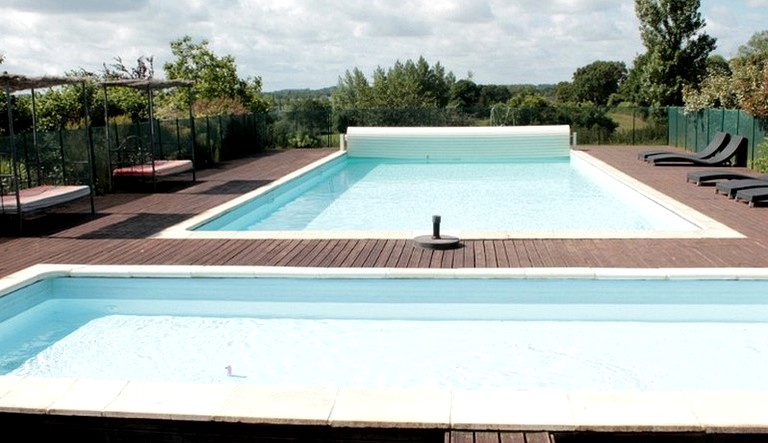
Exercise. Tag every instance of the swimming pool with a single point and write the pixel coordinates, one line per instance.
(681, 355)
(511, 332)
(343, 197)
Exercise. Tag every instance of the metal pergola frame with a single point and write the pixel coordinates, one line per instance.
(14, 83)
(149, 86)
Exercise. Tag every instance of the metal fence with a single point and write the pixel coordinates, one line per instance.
(220, 138)
(693, 131)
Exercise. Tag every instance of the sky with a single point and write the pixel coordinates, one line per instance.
(299, 44)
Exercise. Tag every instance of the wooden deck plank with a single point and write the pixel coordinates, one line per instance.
(322, 251)
(502, 259)
(479, 254)
(537, 437)
(258, 252)
(462, 437)
(487, 437)
(511, 437)
(290, 253)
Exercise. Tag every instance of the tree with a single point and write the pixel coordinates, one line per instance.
(404, 85)
(714, 91)
(465, 94)
(145, 69)
(215, 77)
(404, 94)
(750, 82)
(756, 46)
(564, 92)
(742, 83)
(750, 75)
(126, 103)
(596, 82)
(412, 85)
(493, 94)
(677, 48)
(353, 91)
(717, 64)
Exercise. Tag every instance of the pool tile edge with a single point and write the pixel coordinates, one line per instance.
(498, 410)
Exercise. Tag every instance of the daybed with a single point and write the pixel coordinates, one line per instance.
(157, 169)
(140, 155)
(42, 197)
(27, 183)
(718, 142)
(729, 155)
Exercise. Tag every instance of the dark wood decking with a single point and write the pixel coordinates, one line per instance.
(120, 232)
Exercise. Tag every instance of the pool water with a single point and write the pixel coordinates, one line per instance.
(515, 333)
(361, 194)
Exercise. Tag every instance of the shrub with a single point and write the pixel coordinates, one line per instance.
(760, 163)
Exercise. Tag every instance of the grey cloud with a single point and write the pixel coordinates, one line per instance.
(466, 11)
(75, 6)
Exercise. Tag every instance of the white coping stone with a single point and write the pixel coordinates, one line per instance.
(633, 411)
(40, 272)
(408, 408)
(87, 397)
(224, 272)
(632, 273)
(134, 271)
(582, 273)
(731, 411)
(7, 383)
(512, 410)
(34, 394)
(30, 275)
(180, 401)
(716, 273)
(273, 405)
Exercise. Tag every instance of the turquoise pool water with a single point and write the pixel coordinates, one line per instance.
(535, 333)
(358, 194)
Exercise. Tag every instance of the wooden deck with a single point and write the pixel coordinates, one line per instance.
(121, 231)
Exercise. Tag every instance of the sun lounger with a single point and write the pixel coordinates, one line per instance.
(730, 187)
(42, 197)
(163, 168)
(717, 143)
(712, 176)
(736, 147)
(752, 195)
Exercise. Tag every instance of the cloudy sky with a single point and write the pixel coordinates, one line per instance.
(311, 43)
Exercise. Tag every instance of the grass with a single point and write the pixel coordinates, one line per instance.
(625, 118)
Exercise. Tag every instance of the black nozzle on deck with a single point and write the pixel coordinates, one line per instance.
(436, 241)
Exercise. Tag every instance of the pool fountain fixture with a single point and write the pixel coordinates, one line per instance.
(436, 241)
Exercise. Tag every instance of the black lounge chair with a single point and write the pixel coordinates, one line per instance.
(736, 148)
(717, 143)
(731, 187)
(753, 195)
(712, 176)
